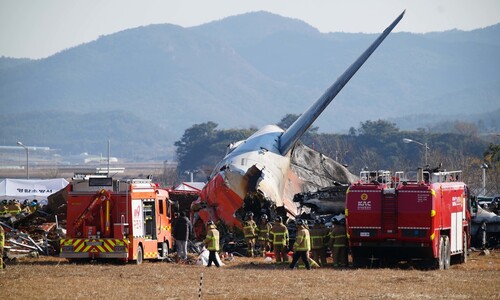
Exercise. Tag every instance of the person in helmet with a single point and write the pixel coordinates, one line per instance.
(263, 230)
(212, 242)
(278, 236)
(250, 233)
(302, 245)
(3, 207)
(319, 234)
(338, 242)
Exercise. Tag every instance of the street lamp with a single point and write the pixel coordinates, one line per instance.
(484, 167)
(407, 141)
(27, 159)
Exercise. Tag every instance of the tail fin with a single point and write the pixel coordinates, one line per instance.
(297, 129)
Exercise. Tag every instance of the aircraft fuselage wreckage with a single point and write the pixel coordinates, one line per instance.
(263, 173)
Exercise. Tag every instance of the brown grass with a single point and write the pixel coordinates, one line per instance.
(244, 278)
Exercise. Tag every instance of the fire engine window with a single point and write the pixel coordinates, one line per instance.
(160, 203)
(169, 208)
(149, 219)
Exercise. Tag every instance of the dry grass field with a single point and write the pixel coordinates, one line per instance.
(244, 278)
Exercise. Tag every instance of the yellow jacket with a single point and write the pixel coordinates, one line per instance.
(303, 239)
(212, 238)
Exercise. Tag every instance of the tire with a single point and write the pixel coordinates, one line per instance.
(439, 261)
(465, 251)
(447, 253)
(164, 250)
(139, 255)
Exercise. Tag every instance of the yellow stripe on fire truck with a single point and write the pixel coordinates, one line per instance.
(94, 245)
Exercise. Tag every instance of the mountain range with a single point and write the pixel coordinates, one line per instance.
(143, 87)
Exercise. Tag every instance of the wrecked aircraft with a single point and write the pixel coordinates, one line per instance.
(263, 173)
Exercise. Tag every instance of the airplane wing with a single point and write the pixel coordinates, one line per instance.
(297, 129)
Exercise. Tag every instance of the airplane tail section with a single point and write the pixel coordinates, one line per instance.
(297, 129)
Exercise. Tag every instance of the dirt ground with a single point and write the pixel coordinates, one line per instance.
(245, 278)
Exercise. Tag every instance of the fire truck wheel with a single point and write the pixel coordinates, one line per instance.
(440, 258)
(139, 255)
(447, 253)
(164, 250)
(465, 251)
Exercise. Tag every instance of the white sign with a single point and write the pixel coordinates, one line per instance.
(22, 189)
(137, 218)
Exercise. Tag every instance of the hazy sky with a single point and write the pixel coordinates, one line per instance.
(40, 28)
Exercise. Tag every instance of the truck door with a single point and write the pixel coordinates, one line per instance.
(149, 219)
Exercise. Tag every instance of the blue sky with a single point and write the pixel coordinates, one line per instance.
(37, 29)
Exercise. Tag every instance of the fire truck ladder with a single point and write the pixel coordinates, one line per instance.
(389, 210)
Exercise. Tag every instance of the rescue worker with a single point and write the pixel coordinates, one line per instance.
(250, 232)
(278, 236)
(263, 235)
(33, 206)
(212, 242)
(319, 234)
(3, 207)
(13, 208)
(302, 245)
(338, 242)
(2, 241)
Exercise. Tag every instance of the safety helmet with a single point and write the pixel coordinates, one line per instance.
(210, 223)
(278, 219)
(300, 222)
(322, 220)
(264, 217)
(4, 201)
(317, 221)
(342, 221)
(249, 214)
(335, 220)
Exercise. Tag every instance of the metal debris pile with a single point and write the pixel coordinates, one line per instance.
(32, 234)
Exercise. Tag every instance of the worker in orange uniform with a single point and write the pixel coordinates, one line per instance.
(302, 245)
(212, 242)
(250, 233)
(319, 233)
(278, 236)
(263, 235)
(338, 242)
(2, 242)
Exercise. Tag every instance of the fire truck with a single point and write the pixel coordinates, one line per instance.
(125, 220)
(391, 218)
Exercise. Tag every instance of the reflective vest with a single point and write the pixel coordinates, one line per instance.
(303, 240)
(3, 209)
(249, 229)
(264, 230)
(318, 236)
(338, 236)
(212, 238)
(14, 209)
(278, 234)
(2, 239)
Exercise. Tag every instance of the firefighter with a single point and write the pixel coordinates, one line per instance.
(278, 236)
(2, 241)
(13, 208)
(338, 242)
(3, 207)
(250, 232)
(302, 245)
(33, 206)
(318, 233)
(212, 242)
(263, 235)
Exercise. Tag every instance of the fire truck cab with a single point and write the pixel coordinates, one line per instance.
(126, 220)
(391, 218)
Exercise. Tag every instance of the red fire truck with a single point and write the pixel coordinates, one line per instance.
(391, 218)
(126, 220)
